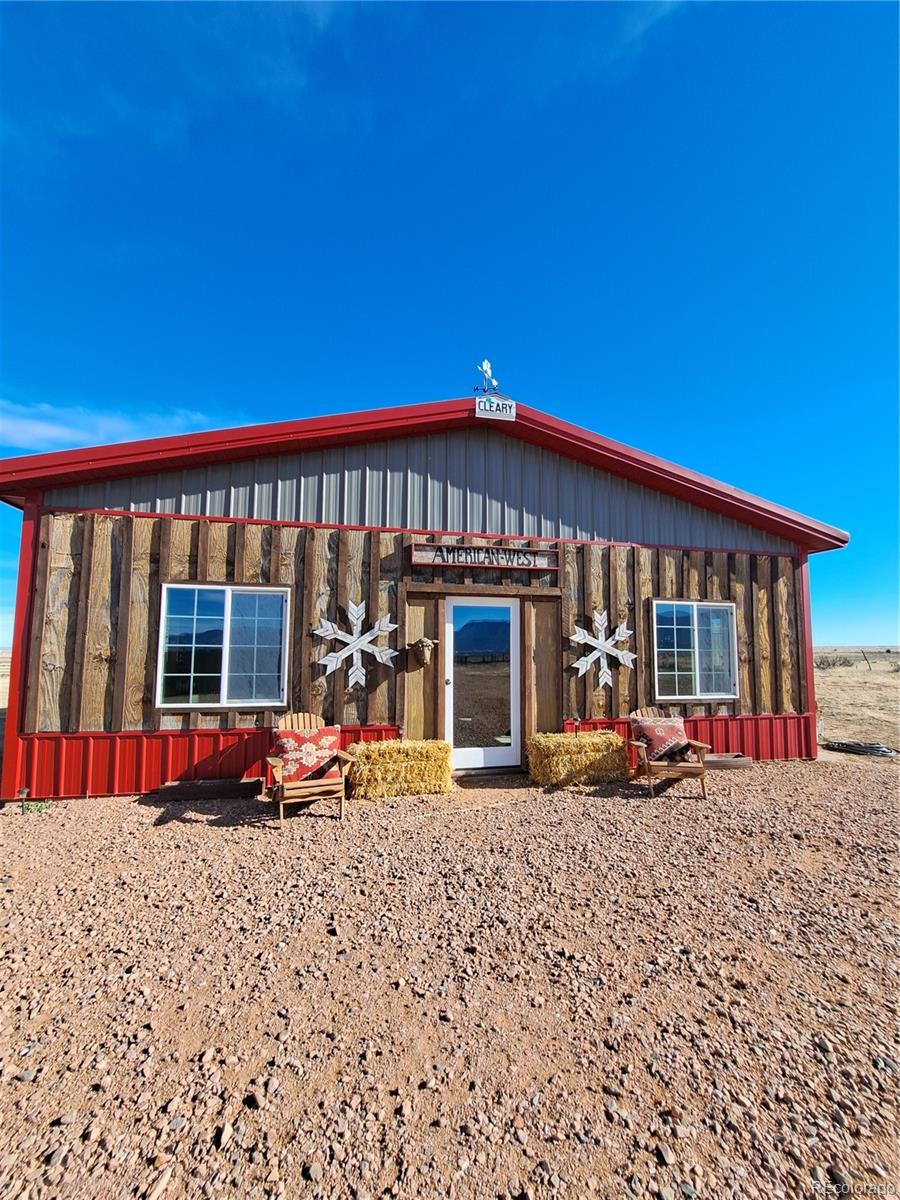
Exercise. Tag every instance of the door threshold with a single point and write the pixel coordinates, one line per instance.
(484, 772)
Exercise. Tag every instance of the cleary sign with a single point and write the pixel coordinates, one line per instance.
(496, 408)
(511, 558)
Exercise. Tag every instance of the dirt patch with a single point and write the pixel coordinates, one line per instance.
(495, 993)
(859, 704)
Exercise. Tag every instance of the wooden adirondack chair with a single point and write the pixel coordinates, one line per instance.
(688, 769)
(305, 790)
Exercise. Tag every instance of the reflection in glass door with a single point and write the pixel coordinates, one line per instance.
(481, 655)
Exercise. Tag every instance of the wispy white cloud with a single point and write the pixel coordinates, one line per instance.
(626, 38)
(297, 60)
(556, 51)
(188, 60)
(640, 19)
(35, 427)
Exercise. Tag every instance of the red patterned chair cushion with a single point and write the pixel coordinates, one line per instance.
(309, 753)
(664, 737)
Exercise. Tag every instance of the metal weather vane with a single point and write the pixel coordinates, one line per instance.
(488, 382)
(356, 643)
(603, 645)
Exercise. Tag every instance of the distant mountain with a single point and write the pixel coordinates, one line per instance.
(482, 637)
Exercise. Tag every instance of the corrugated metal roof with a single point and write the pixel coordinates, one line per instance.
(474, 480)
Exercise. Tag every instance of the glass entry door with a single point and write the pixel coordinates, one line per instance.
(481, 658)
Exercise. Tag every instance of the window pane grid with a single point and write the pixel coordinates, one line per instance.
(254, 671)
(222, 646)
(192, 655)
(694, 650)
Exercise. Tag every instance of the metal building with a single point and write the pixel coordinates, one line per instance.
(417, 570)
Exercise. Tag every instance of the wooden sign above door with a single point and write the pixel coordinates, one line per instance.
(494, 557)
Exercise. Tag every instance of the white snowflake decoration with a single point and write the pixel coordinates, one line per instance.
(602, 646)
(355, 643)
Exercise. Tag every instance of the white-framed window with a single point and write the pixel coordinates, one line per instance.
(222, 646)
(695, 650)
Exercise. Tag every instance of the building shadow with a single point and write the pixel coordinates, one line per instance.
(229, 813)
(491, 780)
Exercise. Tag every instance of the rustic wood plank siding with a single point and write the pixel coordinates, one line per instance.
(547, 673)
(596, 599)
(384, 581)
(621, 603)
(95, 627)
(321, 604)
(290, 574)
(353, 586)
(137, 700)
(180, 542)
(761, 576)
(100, 641)
(120, 667)
(63, 606)
(645, 588)
(38, 627)
(421, 710)
(670, 566)
(740, 592)
(787, 666)
(217, 552)
(76, 661)
(571, 560)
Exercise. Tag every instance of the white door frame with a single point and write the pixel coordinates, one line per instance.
(486, 756)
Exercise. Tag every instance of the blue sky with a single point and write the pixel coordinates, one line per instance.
(672, 223)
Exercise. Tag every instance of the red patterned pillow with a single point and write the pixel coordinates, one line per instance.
(664, 737)
(309, 753)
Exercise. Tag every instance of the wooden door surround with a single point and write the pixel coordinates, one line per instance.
(421, 690)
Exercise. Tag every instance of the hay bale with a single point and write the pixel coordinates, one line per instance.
(560, 759)
(400, 768)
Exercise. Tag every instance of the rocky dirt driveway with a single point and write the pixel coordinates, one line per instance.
(498, 993)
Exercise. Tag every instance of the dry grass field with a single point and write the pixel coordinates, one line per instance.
(859, 701)
(4, 691)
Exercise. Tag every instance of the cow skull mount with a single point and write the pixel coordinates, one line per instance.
(422, 649)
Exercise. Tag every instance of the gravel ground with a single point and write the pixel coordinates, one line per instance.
(497, 993)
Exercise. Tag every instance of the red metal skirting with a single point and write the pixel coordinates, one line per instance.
(55, 766)
(775, 736)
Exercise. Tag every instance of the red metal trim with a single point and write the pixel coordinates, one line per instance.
(809, 662)
(768, 737)
(31, 529)
(56, 766)
(532, 426)
(520, 537)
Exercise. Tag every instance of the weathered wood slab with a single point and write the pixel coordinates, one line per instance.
(95, 628)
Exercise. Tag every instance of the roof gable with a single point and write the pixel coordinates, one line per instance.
(39, 472)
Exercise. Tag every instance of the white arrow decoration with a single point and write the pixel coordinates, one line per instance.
(355, 643)
(602, 645)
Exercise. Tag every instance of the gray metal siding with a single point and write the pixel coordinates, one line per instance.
(478, 481)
